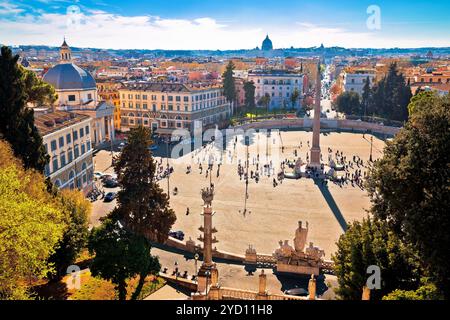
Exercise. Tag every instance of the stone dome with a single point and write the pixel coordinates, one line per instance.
(267, 44)
(68, 76)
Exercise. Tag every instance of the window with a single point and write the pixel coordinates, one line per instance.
(70, 155)
(138, 105)
(55, 164)
(83, 149)
(47, 170)
(144, 105)
(154, 107)
(144, 97)
(170, 107)
(61, 142)
(186, 99)
(178, 98)
(71, 97)
(63, 160)
(75, 135)
(138, 97)
(53, 145)
(89, 96)
(81, 133)
(68, 138)
(130, 105)
(87, 129)
(88, 145)
(77, 151)
(170, 98)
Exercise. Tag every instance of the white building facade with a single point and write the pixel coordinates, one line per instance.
(356, 80)
(279, 85)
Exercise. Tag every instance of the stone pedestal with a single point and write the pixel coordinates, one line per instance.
(262, 292)
(312, 288)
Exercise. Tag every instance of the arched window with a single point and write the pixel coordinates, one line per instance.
(131, 114)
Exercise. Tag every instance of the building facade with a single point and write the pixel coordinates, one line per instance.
(279, 84)
(165, 107)
(355, 80)
(108, 90)
(77, 92)
(66, 137)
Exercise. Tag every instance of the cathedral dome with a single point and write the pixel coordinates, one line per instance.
(267, 44)
(68, 76)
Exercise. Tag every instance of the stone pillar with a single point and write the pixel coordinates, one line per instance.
(112, 132)
(315, 149)
(366, 293)
(207, 236)
(312, 288)
(214, 277)
(262, 283)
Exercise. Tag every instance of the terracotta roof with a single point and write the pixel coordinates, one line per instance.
(54, 121)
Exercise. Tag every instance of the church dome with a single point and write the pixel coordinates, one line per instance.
(68, 76)
(267, 44)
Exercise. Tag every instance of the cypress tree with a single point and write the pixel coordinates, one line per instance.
(17, 120)
(228, 82)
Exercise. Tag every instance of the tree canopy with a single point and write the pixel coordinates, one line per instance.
(249, 89)
(17, 120)
(349, 103)
(31, 224)
(229, 87)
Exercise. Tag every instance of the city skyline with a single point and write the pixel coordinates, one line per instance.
(201, 25)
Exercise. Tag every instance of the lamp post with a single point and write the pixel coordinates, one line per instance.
(371, 142)
(176, 270)
(196, 257)
(207, 274)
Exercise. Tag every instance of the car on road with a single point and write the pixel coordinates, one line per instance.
(98, 175)
(297, 292)
(110, 196)
(110, 183)
(177, 235)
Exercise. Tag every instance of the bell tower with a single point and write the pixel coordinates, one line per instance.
(65, 54)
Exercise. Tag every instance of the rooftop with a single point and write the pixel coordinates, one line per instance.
(54, 121)
(169, 86)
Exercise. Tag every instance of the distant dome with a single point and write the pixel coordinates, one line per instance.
(68, 76)
(267, 44)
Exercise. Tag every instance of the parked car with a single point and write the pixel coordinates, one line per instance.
(297, 292)
(110, 183)
(177, 235)
(110, 196)
(98, 174)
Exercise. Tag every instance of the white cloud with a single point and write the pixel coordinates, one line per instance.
(96, 28)
(7, 8)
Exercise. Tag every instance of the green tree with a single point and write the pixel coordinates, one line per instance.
(120, 255)
(143, 207)
(38, 92)
(75, 237)
(348, 102)
(366, 95)
(422, 99)
(294, 97)
(391, 96)
(367, 243)
(409, 187)
(427, 291)
(31, 225)
(265, 101)
(249, 89)
(229, 88)
(17, 120)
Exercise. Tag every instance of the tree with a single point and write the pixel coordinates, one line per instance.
(265, 101)
(249, 89)
(229, 88)
(421, 100)
(428, 291)
(17, 120)
(75, 237)
(31, 224)
(294, 97)
(39, 93)
(366, 95)
(141, 203)
(391, 96)
(408, 187)
(349, 103)
(371, 242)
(143, 207)
(120, 255)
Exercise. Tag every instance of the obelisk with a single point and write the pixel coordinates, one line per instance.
(315, 148)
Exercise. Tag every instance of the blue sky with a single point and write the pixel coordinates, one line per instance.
(231, 24)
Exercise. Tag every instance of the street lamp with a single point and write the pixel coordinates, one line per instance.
(207, 274)
(196, 257)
